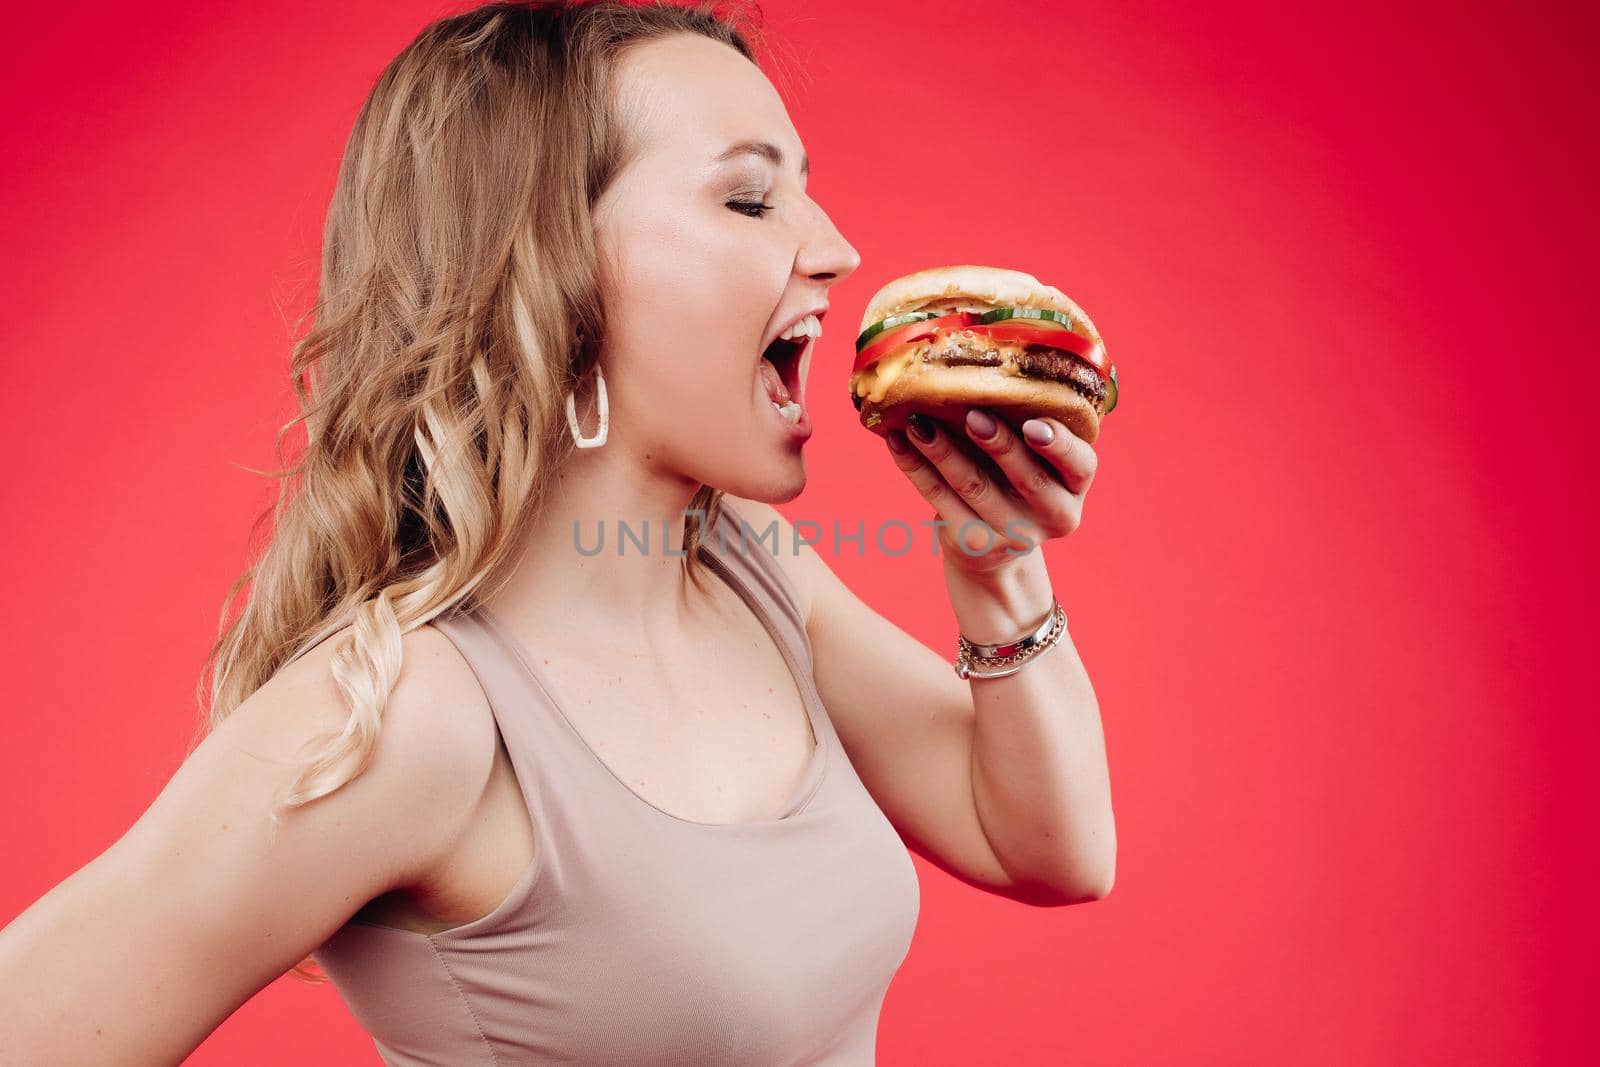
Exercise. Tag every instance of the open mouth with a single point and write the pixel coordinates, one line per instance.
(783, 388)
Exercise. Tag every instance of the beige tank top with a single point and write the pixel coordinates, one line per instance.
(639, 937)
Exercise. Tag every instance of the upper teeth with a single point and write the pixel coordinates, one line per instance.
(810, 326)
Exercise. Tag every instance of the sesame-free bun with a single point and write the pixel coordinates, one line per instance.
(968, 287)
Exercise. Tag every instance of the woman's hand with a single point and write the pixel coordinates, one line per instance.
(1002, 494)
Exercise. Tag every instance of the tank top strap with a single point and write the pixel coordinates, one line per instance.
(537, 735)
(751, 555)
(571, 805)
(525, 713)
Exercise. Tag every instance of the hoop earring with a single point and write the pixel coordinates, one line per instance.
(605, 415)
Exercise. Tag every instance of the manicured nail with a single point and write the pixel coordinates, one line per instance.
(1038, 431)
(980, 424)
(921, 427)
(898, 442)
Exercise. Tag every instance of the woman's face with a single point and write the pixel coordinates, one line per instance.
(697, 274)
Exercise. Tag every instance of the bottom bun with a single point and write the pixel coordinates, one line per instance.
(946, 393)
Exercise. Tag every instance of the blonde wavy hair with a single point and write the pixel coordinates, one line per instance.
(458, 303)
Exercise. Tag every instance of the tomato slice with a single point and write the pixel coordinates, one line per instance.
(911, 331)
(1036, 332)
(1020, 331)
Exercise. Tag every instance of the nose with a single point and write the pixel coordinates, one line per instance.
(826, 256)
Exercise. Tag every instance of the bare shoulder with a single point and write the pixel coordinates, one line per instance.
(434, 749)
(436, 730)
(798, 560)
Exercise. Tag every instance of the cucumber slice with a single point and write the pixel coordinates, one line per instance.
(1048, 316)
(1111, 391)
(890, 323)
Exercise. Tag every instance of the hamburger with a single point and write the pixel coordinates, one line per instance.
(947, 339)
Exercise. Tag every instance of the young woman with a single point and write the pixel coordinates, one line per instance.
(524, 802)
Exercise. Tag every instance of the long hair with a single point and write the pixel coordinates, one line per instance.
(458, 302)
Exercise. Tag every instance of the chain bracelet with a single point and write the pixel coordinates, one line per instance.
(998, 661)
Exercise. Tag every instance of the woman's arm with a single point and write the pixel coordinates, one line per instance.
(1039, 775)
(142, 952)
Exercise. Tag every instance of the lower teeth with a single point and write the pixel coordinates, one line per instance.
(789, 411)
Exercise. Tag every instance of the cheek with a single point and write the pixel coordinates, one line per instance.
(694, 288)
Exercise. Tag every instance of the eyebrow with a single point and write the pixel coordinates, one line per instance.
(766, 150)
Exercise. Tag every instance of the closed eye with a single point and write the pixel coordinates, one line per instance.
(754, 209)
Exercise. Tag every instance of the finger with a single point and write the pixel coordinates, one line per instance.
(962, 474)
(1071, 456)
(927, 481)
(1031, 474)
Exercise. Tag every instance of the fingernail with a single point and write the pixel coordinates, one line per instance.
(1038, 431)
(921, 427)
(980, 423)
(898, 442)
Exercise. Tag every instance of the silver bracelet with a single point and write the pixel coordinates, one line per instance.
(997, 661)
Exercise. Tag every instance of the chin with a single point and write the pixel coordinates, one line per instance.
(778, 483)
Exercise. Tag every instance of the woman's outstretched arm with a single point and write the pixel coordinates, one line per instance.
(141, 953)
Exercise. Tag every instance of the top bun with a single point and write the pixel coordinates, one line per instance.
(968, 287)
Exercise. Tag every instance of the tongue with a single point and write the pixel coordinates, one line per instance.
(773, 383)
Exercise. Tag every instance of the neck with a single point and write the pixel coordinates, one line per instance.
(570, 573)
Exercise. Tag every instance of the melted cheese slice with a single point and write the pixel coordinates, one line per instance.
(873, 382)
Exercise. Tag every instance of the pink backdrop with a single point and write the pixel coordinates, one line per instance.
(1334, 575)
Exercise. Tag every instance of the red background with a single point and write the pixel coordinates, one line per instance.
(1334, 577)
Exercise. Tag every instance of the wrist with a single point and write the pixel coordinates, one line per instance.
(1002, 605)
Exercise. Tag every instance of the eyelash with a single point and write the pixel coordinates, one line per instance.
(761, 211)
